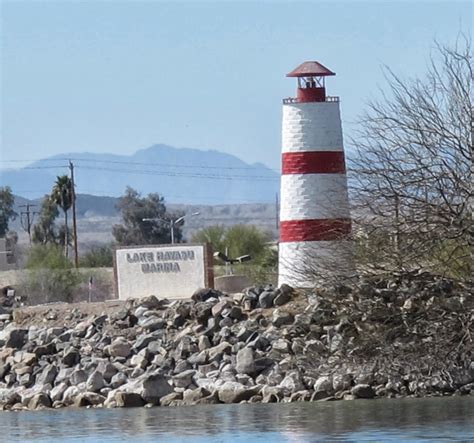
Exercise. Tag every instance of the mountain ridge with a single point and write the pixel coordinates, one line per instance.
(181, 175)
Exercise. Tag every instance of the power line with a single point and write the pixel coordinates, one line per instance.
(171, 165)
(34, 167)
(183, 174)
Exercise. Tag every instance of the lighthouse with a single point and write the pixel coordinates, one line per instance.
(314, 210)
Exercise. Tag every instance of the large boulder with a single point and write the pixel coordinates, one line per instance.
(128, 400)
(205, 294)
(16, 338)
(95, 382)
(233, 392)
(150, 387)
(119, 348)
(48, 375)
(265, 299)
(40, 400)
(88, 399)
(281, 318)
(362, 391)
(71, 357)
(246, 362)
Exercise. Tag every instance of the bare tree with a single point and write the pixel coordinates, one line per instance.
(411, 178)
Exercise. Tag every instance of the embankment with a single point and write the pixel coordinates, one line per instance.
(409, 335)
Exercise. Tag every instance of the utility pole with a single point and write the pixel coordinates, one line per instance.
(30, 215)
(74, 223)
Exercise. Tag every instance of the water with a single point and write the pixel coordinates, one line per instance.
(449, 418)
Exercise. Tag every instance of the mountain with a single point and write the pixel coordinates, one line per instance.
(181, 175)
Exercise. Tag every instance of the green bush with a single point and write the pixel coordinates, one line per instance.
(98, 257)
(50, 276)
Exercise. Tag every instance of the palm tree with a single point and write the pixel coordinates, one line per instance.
(62, 195)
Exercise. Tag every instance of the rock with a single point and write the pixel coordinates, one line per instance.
(71, 357)
(58, 391)
(144, 340)
(169, 399)
(152, 323)
(233, 392)
(88, 399)
(25, 358)
(323, 384)
(292, 382)
(150, 387)
(40, 400)
(64, 374)
(118, 380)
(107, 369)
(70, 395)
(281, 318)
(48, 375)
(128, 400)
(281, 298)
(48, 349)
(78, 376)
(139, 361)
(191, 396)
(9, 397)
(219, 307)
(265, 299)
(203, 343)
(95, 382)
(205, 294)
(286, 289)
(119, 348)
(246, 362)
(314, 347)
(16, 338)
(272, 394)
(342, 382)
(202, 312)
(215, 353)
(281, 345)
(362, 391)
(184, 379)
(235, 313)
(150, 302)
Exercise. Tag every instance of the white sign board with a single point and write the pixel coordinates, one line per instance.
(169, 271)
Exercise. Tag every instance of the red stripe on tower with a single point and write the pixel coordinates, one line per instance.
(313, 162)
(315, 230)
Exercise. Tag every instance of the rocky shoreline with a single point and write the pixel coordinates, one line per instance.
(386, 336)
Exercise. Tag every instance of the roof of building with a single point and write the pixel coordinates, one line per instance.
(310, 69)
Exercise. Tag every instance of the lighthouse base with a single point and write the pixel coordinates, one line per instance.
(303, 264)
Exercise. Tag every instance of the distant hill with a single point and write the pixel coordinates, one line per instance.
(181, 175)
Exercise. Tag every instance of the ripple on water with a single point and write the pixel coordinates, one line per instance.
(380, 420)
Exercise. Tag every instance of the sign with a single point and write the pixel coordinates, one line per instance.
(166, 271)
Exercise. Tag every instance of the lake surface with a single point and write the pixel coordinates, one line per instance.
(448, 418)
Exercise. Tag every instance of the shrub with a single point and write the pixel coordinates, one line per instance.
(50, 276)
(98, 257)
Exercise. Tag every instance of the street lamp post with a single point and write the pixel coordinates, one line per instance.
(171, 222)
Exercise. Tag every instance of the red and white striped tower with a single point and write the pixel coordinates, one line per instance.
(314, 211)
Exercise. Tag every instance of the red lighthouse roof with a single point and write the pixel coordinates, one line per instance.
(310, 69)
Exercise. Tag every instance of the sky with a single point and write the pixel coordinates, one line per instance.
(118, 76)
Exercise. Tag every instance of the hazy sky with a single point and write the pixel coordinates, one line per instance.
(114, 76)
